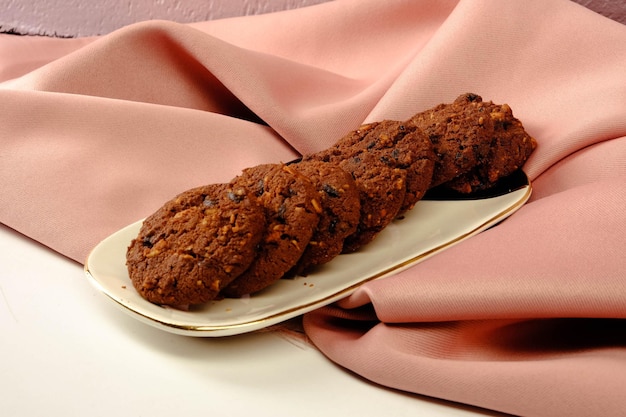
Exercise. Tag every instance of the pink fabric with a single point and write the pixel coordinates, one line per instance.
(526, 318)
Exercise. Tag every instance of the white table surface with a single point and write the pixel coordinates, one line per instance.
(67, 350)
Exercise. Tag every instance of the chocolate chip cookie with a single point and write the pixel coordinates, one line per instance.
(292, 213)
(509, 149)
(381, 193)
(195, 245)
(396, 144)
(461, 134)
(339, 198)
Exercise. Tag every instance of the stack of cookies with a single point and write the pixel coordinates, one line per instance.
(278, 220)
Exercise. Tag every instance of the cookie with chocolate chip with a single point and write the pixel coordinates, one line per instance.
(292, 211)
(195, 245)
(461, 133)
(381, 193)
(396, 144)
(339, 198)
(510, 148)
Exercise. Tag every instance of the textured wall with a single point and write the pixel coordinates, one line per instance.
(93, 17)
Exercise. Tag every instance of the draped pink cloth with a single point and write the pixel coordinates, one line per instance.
(526, 318)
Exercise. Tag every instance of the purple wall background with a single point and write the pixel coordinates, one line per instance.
(71, 18)
(98, 17)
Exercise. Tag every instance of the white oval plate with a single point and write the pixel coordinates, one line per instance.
(430, 227)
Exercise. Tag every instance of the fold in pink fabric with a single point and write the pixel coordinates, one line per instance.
(526, 318)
